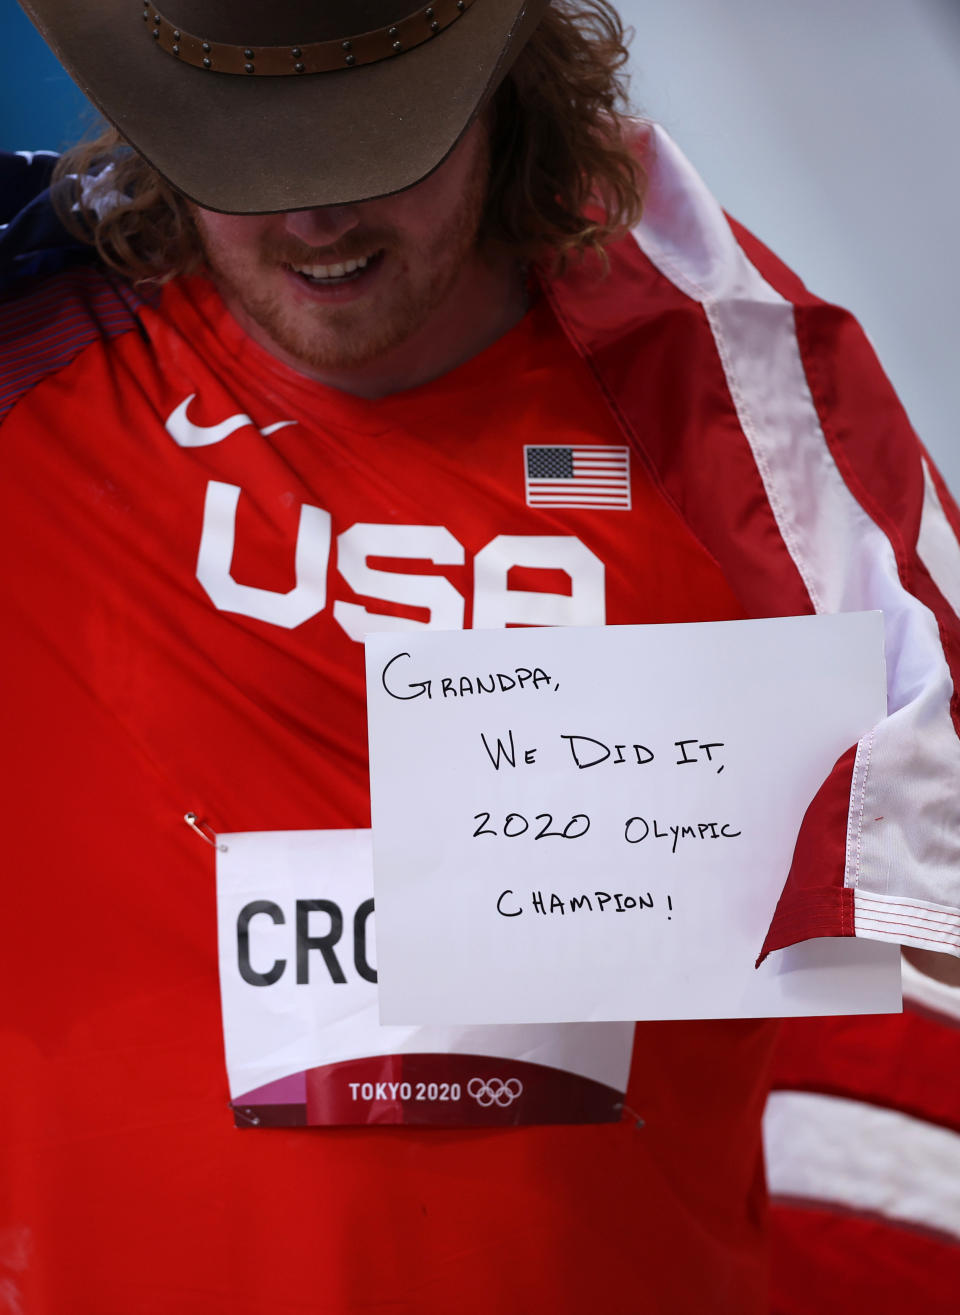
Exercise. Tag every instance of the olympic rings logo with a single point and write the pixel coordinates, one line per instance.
(494, 1091)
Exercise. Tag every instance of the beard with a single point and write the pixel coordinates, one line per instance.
(419, 273)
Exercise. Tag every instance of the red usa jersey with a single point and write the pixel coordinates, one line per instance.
(198, 539)
(163, 604)
(273, 523)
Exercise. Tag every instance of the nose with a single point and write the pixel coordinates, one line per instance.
(323, 226)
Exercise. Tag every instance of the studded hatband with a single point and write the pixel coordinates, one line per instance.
(311, 57)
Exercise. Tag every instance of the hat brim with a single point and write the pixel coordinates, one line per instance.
(259, 145)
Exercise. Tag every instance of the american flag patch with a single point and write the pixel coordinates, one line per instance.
(587, 476)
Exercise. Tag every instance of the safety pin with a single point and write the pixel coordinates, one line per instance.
(204, 831)
(640, 1120)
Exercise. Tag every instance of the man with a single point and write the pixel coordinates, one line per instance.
(354, 297)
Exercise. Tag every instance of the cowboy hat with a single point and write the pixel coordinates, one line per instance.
(253, 106)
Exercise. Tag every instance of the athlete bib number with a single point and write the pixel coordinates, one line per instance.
(303, 1042)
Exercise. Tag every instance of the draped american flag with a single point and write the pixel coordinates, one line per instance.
(579, 476)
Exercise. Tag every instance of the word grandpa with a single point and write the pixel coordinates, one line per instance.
(494, 682)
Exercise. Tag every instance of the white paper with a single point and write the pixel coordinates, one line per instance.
(726, 729)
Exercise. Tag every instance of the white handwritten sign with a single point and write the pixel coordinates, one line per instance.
(596, 823)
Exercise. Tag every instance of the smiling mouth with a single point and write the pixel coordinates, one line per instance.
(341, 272)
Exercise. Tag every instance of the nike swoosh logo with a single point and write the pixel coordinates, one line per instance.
(186, 434)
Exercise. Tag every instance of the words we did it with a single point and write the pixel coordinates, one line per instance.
(584, 751)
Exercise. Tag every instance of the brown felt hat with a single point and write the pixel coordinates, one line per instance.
(253, 106)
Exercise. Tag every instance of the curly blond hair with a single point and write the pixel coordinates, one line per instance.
(563, 178)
